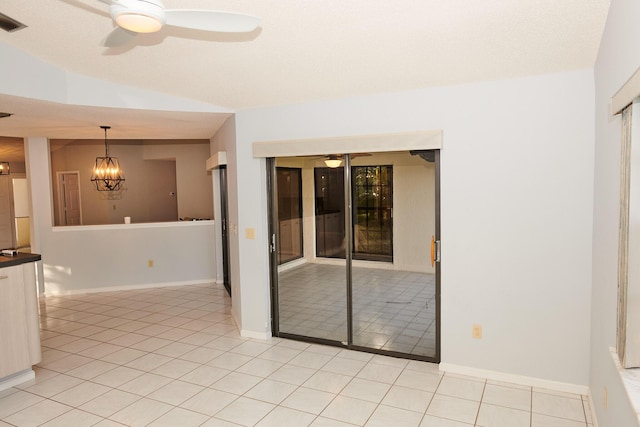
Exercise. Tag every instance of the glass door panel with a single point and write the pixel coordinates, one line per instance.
(311, 292)
(394, 305)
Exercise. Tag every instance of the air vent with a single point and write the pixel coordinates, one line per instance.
(10, 24)
(3, 115)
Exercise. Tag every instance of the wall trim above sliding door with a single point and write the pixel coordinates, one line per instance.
(404, 141)
(626, 94)
(218, 159)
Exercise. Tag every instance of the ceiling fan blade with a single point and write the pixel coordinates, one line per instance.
(118, 37)
(211, 20)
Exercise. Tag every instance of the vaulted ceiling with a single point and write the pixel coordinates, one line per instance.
(309, 49)
(303, 50)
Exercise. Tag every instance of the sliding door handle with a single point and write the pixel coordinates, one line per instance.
(435, 251)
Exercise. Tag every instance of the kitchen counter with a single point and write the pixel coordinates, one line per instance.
(20, 258)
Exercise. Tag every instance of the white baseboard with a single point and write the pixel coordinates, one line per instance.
(17, 378)
(49, 292)
(254, 334)
(250, 334)
(515, 379)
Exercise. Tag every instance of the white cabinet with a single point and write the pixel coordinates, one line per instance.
(19, 329)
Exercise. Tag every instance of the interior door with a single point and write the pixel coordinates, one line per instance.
(161, 190)
(70, 191)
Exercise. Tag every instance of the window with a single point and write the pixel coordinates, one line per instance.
(628, 345)
(373, 213)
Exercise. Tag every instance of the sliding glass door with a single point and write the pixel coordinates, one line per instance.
(365, 279)
(394, 305)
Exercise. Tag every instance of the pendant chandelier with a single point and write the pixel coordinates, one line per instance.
(107, 174)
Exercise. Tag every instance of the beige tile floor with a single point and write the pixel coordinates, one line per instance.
(392, 310)
(173, 357)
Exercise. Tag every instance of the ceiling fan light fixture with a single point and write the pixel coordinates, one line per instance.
(333, 162)
(139, 16)
(139, 23)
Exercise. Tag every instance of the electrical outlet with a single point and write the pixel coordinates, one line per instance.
(150, 263)
(476, 331)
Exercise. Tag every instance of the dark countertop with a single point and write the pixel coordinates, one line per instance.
(20, 258)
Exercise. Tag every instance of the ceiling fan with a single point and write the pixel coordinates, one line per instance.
(148, 16)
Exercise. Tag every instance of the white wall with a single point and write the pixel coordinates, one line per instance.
(195, 189)
(618, 59)
(26, 76)
(414, 221)
(224, 140)
(517, 174)
(89, 258)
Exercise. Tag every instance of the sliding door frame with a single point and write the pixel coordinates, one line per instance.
(348, 235)
(273, 261)
(272, 203)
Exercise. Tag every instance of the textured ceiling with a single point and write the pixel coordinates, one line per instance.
(304, 50)
(309, 49)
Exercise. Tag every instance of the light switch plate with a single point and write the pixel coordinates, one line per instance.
(476, 332)
(250, 233)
